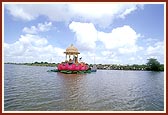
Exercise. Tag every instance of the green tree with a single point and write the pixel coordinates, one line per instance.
(45, 62)
(153, 64)
(36, 62)
(161, 67)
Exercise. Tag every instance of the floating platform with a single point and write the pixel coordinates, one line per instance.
(72, 72)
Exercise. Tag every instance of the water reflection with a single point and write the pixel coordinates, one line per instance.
(70, 75)
(73, 90)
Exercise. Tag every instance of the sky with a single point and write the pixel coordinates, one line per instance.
(103, 33)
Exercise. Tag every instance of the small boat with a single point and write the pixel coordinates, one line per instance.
(75, 72)
(71, 72)
(94, 68)
(53, 70)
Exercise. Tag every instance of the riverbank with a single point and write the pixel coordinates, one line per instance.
(37, 64)
(142, 67)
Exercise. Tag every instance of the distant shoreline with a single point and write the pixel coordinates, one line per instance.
(136, 67)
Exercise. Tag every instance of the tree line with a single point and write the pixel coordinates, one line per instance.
(151, 65)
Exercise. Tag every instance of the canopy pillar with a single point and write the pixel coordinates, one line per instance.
(71, 51)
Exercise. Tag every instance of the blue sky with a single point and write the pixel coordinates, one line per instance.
(108, 33)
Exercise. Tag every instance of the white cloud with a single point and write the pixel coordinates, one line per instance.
(151, 40)
(24, 44)
(86, 35)
(32, 30)
(101, 14)
(107, 60)
(32, 48)
(19, 12)
(156, 49)
(120, 42)
(140, 57)
(116, 44)
(109, 54)
(131, 58)
(39, 28)
(110, 47)
(129, 8)
(123, 38)
(130, 49)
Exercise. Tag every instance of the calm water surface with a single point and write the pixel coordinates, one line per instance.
(32, 88)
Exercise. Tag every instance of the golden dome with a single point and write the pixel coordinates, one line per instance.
(71, 49)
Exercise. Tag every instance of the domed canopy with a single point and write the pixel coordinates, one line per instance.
(71, 50)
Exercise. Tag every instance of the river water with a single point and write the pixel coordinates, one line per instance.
(32, 88)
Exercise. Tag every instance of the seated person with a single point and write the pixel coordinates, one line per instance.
(76, 60)
(80, 59)
(70, 61)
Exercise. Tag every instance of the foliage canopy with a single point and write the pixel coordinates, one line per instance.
(154, 65)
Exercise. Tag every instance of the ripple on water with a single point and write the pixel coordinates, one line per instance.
(30, 88)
